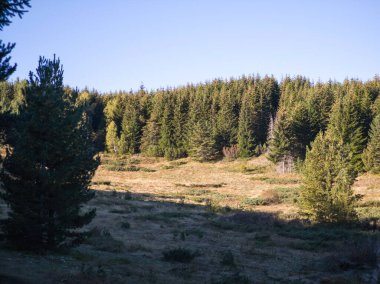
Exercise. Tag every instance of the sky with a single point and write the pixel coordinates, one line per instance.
(120, 44)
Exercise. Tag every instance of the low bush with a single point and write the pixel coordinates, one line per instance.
(231, 153)
(125, 225)
(179, 255)
(270, 196)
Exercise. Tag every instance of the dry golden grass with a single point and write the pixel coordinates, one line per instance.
(211, 211)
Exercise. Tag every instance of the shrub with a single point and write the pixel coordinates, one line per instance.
(132, 169)
(231, 153)
(115, 168)
(102, 240)
(101, 182)
(125, 225)
(270, 196)
(179, 255)
(147, 170)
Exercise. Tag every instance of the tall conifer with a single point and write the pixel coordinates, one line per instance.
(52, 141)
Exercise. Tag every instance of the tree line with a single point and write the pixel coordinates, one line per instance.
(194, 120)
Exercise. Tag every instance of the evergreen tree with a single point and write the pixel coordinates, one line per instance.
(371, 155)
(94, 105)
(167, 139)
(150, 139)
(180, 125)
(345, 125)
(112, 140)
(152, 130)
(247, 140)
(202, 144)
(129, 142)
(326, 194)
(226, 121)
(52, 141)
(280, 145)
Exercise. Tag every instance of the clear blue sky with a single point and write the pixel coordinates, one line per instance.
(117, 44)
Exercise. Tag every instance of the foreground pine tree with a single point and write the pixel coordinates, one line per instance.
(327, 195)
(49, 165)
(371, 155)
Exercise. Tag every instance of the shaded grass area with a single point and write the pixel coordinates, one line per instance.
(182, 241)
(205, 230)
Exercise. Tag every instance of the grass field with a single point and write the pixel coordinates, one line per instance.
(187, 222)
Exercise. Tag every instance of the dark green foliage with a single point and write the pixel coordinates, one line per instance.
(247, 140)
(94, 105)
(326, 194)
(10, 9)
(371, 155)
(52, 141)
(259, 105)
(304, 110)
(250, 112)
(226, 119)
(348, 124)
(5, 68)
(283, 139)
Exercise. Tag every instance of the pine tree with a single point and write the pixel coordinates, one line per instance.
(52, 141)
(371, 155)
(202, 144)
(326, 194)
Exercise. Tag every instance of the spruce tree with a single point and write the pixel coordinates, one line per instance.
(49, 164)
(282, 143)
(129, 142)
(227, 120)
(247, 140)
(371, 155)
(326, 194)
(180, 125)
(202, 144)
(167, 139)
(346, 126)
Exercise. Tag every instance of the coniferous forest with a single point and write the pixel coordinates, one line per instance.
(234, 174)
(246, 117)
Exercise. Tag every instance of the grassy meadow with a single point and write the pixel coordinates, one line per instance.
(181, 221)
